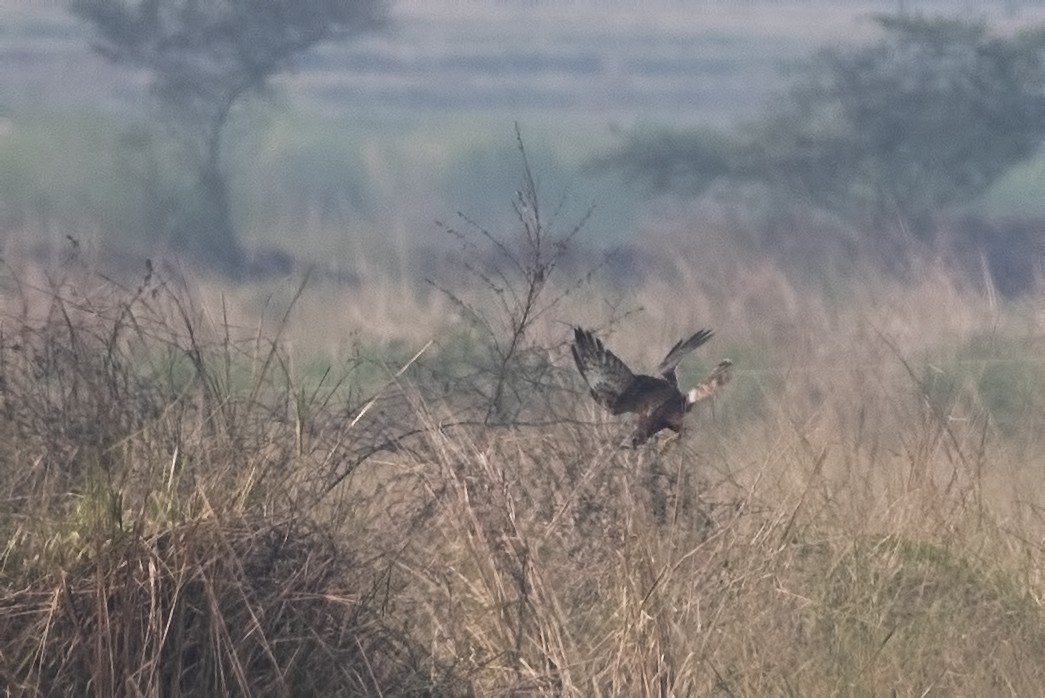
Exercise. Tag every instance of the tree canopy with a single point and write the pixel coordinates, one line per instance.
(928, 116)
(204, 58)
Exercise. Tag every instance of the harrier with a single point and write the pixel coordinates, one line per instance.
(655, 399)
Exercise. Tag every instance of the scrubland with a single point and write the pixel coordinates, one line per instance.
(386, 478)
(402, 488)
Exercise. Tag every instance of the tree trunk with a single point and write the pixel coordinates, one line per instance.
(206, 231)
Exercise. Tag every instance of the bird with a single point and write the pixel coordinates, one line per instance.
(656, 399)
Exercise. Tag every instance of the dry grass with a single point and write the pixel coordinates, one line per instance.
(192, 508)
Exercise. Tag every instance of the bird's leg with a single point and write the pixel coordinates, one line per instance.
(637, 438)
(657, 486)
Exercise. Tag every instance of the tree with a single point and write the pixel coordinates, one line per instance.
(931, 115)
(205, 58)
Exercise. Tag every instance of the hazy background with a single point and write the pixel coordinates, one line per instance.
(313, 472)
(350, 159)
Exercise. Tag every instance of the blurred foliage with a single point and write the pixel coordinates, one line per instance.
(324, 187)
(894, 132)
(67, 173)
(671, 159)
(987, 375)
(205, 61)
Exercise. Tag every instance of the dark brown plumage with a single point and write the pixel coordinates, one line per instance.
(656, 400)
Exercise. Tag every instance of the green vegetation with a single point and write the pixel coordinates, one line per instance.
(890, 136)
(328, 189)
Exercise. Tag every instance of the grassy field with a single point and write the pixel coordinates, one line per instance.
(381, 474)
(215, 490)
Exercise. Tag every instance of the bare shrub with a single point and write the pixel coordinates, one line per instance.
(511, 287)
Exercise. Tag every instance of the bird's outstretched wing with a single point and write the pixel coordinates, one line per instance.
(718, 377)
(606, 375)
(681, 348)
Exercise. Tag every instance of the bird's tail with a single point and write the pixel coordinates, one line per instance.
(707, 387)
